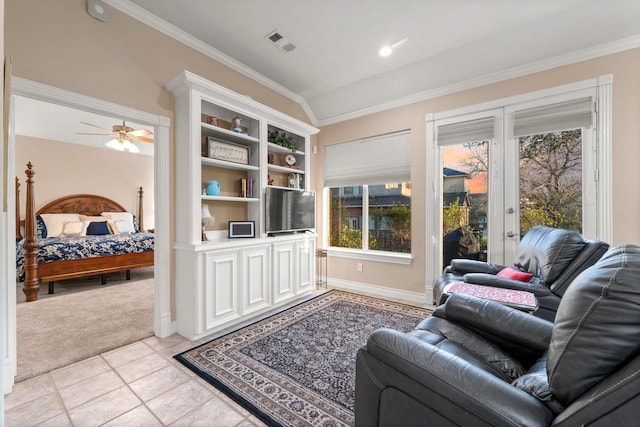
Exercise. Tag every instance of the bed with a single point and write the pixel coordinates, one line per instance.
(92, 236)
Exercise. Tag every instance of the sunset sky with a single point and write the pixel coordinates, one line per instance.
(453, 156)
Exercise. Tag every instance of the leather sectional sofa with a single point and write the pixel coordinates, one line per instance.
(476, 362)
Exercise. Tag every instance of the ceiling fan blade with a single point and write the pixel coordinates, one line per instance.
(96, 126)
(143, 139)
(141, 132)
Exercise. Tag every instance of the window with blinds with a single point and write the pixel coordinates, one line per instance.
(376, 160)
(368, 182)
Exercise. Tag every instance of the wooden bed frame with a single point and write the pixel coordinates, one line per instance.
(84, 204)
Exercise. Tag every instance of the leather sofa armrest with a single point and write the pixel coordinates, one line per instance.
(537, 289)
(461, 266)
(499, 323)
(434, 377)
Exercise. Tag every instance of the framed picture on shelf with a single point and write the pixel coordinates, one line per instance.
(228, 151)
(242, 229)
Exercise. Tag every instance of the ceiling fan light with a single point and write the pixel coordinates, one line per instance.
(115, 144)
(128, 145)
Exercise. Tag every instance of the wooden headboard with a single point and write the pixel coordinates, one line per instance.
(84, 204)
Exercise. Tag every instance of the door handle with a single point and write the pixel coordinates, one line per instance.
(510, 211)
(510, 234)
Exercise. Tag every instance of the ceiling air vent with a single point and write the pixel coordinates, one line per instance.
(280, 41)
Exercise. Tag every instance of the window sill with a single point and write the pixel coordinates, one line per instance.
(380, 256)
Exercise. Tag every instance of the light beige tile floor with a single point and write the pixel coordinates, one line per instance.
(136, 385)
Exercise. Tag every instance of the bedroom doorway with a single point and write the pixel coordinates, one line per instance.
(161, 270)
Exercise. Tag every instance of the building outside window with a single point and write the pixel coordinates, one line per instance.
(384, 208)
(369, 195)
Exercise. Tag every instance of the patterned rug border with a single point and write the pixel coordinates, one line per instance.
(237, 397)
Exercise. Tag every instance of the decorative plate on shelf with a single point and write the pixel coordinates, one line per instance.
(290, 159)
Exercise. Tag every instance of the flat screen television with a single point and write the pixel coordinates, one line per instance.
(289, 211)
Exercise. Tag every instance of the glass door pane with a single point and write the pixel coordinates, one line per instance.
(551, 180)
(465, 200)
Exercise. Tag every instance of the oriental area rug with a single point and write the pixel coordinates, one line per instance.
(297, 367)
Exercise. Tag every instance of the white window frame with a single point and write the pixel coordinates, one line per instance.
(339, 177)
(361, 253)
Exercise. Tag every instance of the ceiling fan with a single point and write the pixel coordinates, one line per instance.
(124, 136)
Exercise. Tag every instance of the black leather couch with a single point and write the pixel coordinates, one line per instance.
(476, 362)
(554, 256)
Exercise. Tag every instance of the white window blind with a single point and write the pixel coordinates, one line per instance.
(553, 118)
(469, 131)
(380, 159)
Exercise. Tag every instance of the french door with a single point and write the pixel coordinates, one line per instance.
(508, 169)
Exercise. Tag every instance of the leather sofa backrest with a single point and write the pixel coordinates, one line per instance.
(592, 252)
(545, 252)
(597, 326)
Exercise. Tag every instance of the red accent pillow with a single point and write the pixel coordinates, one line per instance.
(513, 274)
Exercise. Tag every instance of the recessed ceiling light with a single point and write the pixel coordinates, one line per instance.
(385, 51)
(388, 50)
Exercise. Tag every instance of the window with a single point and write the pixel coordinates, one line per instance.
(369, 196)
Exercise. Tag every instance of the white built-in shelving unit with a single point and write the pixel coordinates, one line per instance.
(219, 280)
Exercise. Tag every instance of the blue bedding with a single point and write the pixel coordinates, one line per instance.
(59, 248)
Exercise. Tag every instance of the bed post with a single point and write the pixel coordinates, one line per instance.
(140, 220)
(30, 247)
(18, 232)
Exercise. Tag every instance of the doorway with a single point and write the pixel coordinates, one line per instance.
(162, 315)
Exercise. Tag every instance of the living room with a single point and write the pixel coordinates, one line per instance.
(119, 62)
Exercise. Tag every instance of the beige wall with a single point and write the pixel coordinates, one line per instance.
(125, 62)
(63, 169)
(122, 61)
(625, 68)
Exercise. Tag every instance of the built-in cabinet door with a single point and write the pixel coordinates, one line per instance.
(221, 288)
(284, 271)
(306, 265)
(255, 278)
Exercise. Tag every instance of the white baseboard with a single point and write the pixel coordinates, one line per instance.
(7, 377)
(417, 298)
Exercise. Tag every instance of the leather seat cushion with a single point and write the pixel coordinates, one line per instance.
(596, 327)
(535, 382)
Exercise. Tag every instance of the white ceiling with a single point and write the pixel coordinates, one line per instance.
(53, 122)
(335, 71)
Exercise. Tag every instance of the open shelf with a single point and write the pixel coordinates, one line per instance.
(279, 149)
(207, 161)
(211, 130)
(231, 199)
(285, 169)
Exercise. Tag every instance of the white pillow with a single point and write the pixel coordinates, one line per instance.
(75, 228)
(122, 227)
(121, 216)
(55, 222)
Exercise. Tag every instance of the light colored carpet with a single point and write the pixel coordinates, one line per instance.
(56, 332)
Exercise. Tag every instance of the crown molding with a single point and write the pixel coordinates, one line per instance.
(511, 73)
(142, 15)
(136, 12)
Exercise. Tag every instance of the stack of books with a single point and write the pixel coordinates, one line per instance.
(246, 187)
